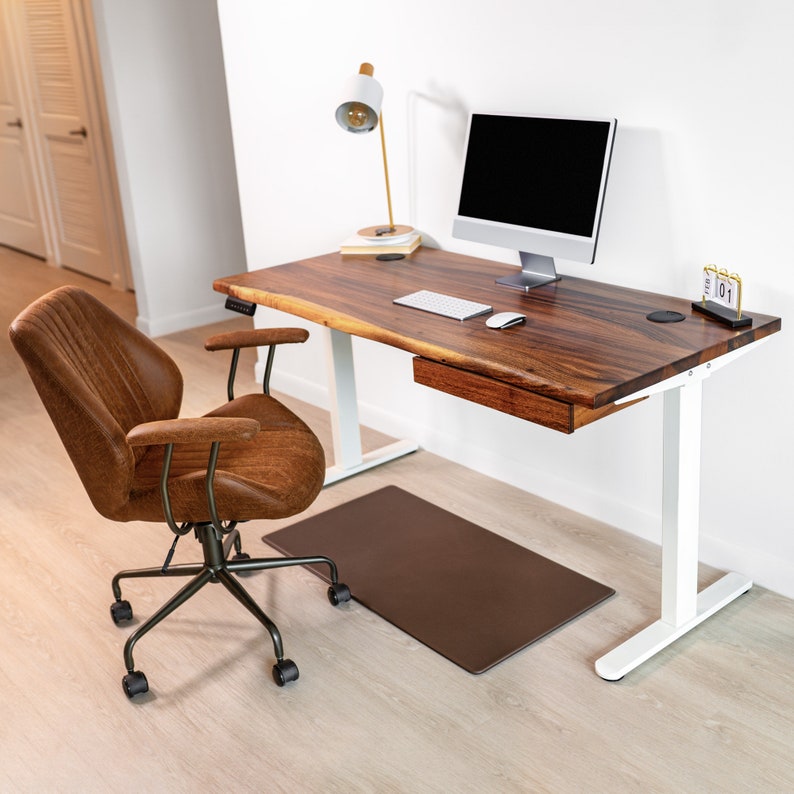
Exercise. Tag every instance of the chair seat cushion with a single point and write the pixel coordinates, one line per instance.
(277, 474)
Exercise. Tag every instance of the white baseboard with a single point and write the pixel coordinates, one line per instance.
(299, 388)
(770, 572)
(171, 324)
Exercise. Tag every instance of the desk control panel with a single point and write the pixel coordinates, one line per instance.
(444, 305)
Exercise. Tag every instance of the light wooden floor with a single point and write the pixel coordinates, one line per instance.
(374, 711)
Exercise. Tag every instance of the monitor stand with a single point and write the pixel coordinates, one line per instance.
(536, 270)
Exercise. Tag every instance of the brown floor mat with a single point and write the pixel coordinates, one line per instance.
(470, 595)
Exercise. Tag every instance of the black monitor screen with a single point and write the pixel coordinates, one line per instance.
(543, 173)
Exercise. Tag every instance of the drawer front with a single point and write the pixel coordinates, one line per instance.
(509, 399)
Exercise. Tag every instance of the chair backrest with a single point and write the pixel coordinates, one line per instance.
(98, 377)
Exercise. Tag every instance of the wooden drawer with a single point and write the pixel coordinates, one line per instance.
(507, 398)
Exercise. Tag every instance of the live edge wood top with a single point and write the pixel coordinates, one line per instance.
(584, 343)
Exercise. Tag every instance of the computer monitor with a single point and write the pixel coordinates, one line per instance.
(535, 184)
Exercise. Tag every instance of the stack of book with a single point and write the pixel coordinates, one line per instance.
(401, 244)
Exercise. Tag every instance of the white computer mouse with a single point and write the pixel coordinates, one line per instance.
(505, 319)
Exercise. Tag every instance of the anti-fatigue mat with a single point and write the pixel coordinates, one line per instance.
(470, 595)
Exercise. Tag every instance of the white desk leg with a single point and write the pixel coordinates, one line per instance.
(348, 458)
(682, 607)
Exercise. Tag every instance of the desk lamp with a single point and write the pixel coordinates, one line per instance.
(359, 112)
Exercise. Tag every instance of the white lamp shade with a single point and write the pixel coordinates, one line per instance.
(360, 107)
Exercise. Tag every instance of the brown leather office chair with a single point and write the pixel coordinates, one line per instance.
(114, 397)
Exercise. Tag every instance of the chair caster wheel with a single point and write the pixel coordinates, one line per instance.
(134, 683)
(339, 594)
(120, 611)
(285, 671)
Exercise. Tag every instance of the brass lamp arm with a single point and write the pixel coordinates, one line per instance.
(386, 172)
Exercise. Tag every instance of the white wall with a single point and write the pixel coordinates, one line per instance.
(163, 73)
(702, 173)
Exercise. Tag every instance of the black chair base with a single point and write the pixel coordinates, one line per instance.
(217, 567)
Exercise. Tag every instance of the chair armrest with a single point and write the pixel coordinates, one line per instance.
(212, 429)
(257, 337)
(199, 429)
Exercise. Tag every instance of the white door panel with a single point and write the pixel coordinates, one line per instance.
(69, 153)
(20, 219)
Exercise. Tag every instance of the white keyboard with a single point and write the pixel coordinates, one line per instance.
(445, 305)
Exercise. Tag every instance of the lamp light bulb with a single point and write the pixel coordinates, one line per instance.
(358, 116)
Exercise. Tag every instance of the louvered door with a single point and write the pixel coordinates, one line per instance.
(66, 133)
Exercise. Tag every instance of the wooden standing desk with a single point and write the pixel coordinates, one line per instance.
(586, 351)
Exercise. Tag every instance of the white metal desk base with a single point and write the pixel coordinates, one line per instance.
(348, 457)
(648, 642)
(683, 607)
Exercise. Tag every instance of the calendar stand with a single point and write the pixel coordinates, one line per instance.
(722, 297)
(722, 313)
